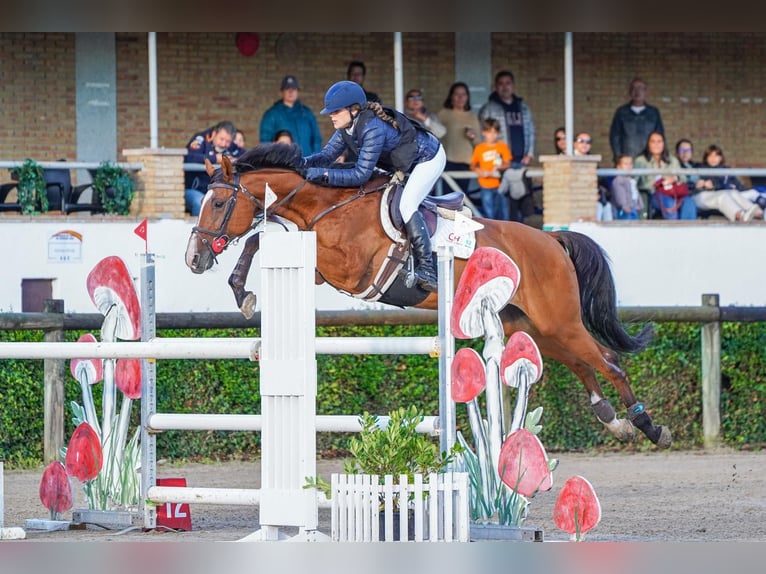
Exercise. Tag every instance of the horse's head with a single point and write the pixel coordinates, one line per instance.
(235, 194)
(222, 217)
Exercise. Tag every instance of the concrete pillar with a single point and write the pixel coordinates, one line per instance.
(570, 186)
(160, 184)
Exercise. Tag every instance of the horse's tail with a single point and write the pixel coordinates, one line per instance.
(598, 297)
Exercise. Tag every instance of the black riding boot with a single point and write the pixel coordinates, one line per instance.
(417, 233)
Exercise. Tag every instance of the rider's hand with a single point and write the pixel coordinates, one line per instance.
(316, 174)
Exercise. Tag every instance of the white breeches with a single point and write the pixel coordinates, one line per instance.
(728, 202)
(420, 182)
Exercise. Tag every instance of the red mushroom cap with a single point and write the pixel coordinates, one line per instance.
(127, 377)
(490, 275)
(468, 376)
(93, 368)
(55, 489)
(109, 283)
(520, 353)
(84, 456)
(577, 507)
(523, 463)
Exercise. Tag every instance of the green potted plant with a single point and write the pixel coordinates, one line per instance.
(32, 194)
(115, 187)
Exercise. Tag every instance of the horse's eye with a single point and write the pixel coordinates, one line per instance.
(219, 203)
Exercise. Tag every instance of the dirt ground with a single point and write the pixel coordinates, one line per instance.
(659, 496)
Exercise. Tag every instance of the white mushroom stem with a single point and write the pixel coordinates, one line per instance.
(108, 334)
(521, 400)
(482, 452)
(493, 349)
(122, 428)
(87, 401)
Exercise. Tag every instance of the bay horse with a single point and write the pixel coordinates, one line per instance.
(566, 299)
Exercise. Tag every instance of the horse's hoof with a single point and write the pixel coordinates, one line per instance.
(248, 306)
(623, 429)
(666, 438)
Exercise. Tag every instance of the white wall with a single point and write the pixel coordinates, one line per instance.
(654, 264)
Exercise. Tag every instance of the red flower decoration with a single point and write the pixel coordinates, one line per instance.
(523, 464)
(84, 456)
(55, 490)
(127, 377)
(577, 508)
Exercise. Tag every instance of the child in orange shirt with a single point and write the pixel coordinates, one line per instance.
(490, 158)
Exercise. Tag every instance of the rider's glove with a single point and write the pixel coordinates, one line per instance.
(316, 174)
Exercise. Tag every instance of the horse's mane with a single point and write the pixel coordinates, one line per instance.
(279, 155)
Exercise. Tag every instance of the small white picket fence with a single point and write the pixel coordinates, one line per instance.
(437, 511)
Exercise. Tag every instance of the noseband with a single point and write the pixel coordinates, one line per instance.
(219, 239)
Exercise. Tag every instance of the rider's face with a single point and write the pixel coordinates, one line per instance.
(340, 119)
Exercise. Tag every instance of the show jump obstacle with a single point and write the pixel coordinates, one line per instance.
(287, 352)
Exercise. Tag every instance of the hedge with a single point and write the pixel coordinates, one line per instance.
(666, 378)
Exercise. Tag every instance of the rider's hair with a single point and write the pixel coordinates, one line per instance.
(381, 113)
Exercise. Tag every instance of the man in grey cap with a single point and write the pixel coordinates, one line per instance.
(291, 115)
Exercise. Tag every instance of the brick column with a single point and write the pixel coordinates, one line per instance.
(570, 187)
(160, 184)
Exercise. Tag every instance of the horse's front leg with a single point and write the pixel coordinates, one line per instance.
(246, 300)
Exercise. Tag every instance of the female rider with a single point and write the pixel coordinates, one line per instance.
(377, 139)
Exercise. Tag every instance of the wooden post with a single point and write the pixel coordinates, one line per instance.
(53, 408)
(711, 377)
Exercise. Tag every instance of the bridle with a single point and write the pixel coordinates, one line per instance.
(218, 238)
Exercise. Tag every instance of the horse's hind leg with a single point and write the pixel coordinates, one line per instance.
(246, 300)
(583, 354)
(577, 350)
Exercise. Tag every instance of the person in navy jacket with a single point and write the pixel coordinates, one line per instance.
(209, 144)
(388, 140)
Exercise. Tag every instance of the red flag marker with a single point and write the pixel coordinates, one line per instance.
(141, 232)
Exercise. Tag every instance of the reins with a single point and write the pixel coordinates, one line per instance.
(358, 195)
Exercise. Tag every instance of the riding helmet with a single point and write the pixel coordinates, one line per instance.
(342, 95)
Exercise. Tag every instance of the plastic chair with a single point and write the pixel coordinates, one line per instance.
(58, 185)
(5, 189)
(71, 201)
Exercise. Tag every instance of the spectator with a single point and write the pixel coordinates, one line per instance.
(516, 126)
(684, 153)
(582, 145)
(490, 158)
(240, 140)
(463, 129)
(208, 144)
(656, 156)
(516, 129)
(290, 114)
(415, 109)
(283, 136)
(723, 192)
(388, 141)
(626, 201)
(633, 122)
(560, 141)
(357, 72)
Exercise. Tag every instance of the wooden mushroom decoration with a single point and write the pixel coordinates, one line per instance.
(55, 489)
(112, 291)
(127, 377)
(489, 281)
(577, 509)
(88, 372)
(521, 365)
(468, 381)
(523, 464)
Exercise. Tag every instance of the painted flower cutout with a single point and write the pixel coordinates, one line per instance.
(55, 489)
(83, 456)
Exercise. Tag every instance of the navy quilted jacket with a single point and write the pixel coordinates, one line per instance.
(377, 137)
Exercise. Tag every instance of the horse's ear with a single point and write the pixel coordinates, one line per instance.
(209, 168)
(227, 168)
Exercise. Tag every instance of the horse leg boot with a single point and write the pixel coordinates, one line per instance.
(658, 434)
(417, 233)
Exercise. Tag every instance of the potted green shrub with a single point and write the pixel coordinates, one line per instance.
(32, 194)
(115, 188)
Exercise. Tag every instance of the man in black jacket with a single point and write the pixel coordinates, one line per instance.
(633, 122)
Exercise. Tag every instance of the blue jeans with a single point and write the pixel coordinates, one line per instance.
(494, 205)
(674, 209)
(193, 199)
(622, 215)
